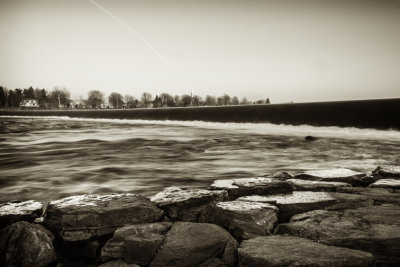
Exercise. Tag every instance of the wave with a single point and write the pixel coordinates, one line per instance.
(229, 127)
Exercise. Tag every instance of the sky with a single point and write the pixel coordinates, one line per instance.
(286, 50)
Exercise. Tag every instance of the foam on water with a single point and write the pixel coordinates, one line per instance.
(250, 128)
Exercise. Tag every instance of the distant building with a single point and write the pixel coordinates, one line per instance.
(29, 103)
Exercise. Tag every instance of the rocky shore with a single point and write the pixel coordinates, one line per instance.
(335, 217)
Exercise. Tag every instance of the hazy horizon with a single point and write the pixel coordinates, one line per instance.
(301, 51)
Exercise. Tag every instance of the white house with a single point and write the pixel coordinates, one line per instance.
(29, 103)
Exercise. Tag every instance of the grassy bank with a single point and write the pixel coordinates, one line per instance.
(379, 114)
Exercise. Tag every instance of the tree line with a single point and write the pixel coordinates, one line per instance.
(60, 97)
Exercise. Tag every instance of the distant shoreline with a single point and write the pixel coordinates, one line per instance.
(378, 114)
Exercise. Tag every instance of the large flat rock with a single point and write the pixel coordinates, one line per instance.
(136, 243)
(378, 195)
(186, 203)
(15, 211)
(25, 244)
(251, 186)
(282, 250)
(333, 175)
(83, 217)
(375, 229)
(302, 201)
(243, 219)
(295, 202)
(387, 171)
(307, 185)
(386, 183)
(191, 244)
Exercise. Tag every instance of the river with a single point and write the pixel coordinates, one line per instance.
(45, 158)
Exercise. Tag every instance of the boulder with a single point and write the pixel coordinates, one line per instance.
(332, 175)
(349, 201)
(387, 171)
(295, 203)
(295, 251)
(243, 219)
(83, 217)
(136, 243)
(386, 183)
(191, 244)
(187, 203)
(307, 185)
(25, 244)
(15, 211)
(375, 229)
(378, 195)
(118, 263)
(252, 186)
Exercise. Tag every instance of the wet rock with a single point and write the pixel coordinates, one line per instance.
(387, 171)
(377, 195)
(296, 251)
(25, 244)
(310, 138)
(387, 183)
(375, 229)
(191, 244)
(349, 201)
(332, 175)
(243, 219)
(136, 243)
(186, 203)
(295, 203)
(82, 217)
(307, 185)
(251, 186)
(15, 211)
(118, 263)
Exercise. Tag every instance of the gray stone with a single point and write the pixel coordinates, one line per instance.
(82, 217)
(375, 229)
(252, 186)
(387, 171)
(136, 243)
(15, 211)
(186, 203)
(191, 244)
(243, 219)
(295, 203)
(296, 251)
(25, 244)
(307, 185)
(332, 175)
(386, 183)
(378, 195)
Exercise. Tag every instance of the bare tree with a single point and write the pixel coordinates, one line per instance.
(210, 100)
(95, 98)
(130, 101)
(115, 99)
(235, 100)
(146, 99)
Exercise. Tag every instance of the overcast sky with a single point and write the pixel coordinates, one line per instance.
(296, 50)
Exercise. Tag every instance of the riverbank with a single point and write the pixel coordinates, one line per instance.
(334, 217)
(378, 114)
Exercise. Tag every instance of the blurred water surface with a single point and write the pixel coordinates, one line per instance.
(46, 158)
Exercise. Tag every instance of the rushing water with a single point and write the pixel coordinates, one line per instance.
(46, 158)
